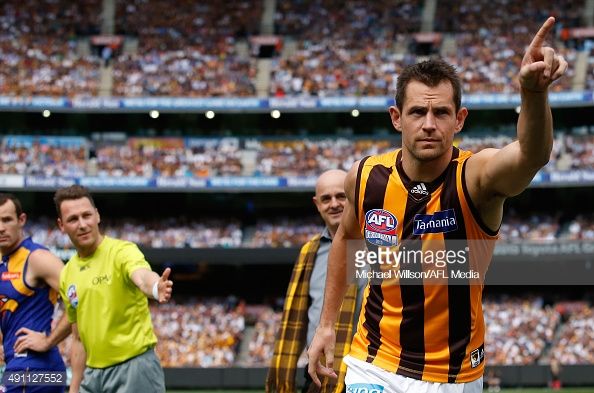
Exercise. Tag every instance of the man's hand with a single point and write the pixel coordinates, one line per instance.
(165, 286)
(322, 344)
(541, 66)
(32, 340)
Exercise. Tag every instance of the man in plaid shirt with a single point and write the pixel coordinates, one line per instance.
(305, 296)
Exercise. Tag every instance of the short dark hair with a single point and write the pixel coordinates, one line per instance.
(18, 208)
(431, 73)
(70, 193)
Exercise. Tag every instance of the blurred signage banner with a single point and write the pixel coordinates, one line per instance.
(304, 104)
(583, 178)
(109, 40)
(581, 32)
(12, 181)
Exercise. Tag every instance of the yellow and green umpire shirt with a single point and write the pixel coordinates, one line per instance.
(111, 312)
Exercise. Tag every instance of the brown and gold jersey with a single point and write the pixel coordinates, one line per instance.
(417, 329)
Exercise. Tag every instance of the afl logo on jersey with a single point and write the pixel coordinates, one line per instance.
(72, 296)
(381, 228)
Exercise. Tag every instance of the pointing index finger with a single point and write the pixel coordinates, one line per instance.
(540, 36)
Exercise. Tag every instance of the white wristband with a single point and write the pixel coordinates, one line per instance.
(156, 290)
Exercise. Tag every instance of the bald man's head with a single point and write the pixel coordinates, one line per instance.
(330, 197)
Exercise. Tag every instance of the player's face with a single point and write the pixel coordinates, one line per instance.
(330, 200)
(11, 227)
(80, 221)
(428, 120)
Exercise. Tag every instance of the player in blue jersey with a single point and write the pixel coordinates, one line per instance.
(29, 283)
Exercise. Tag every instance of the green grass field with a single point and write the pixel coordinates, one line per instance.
(526, 390)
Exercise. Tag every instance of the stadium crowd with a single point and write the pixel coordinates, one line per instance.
(518, 330)
(590, 71)
(44, 156)
(343, 49)
(209, 332)
(199, 158)
(202, 50)
(169, 157)
(39, 53)
(198, 333)
(490, 37)
(309, 157)
(186, 50)
(182, 232)
(283, 232)
(173, 232)
(575, 344)
(261, 345)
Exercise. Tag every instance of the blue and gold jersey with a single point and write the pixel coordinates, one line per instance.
(24, 306)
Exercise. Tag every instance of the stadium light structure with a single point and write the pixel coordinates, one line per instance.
(46, 113)
(154, 114)
(209, 114)
(275, 114)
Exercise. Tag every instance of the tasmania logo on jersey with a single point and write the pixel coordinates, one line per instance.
(381, 228)
(438, 222)
(72, 296)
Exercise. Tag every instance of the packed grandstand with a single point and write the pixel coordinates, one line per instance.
(325, 48)
(228, 332)
(174, 157)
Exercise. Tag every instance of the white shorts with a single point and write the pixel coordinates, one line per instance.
(363, 377)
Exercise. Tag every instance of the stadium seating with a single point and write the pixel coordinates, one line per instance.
(41, 156)
(39, 50)
(574, 344)
(518, 330)
(186, 50)
(209, 332)
(330, 49)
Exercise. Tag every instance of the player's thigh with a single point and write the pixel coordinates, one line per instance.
(142, 374)
(91, 381)
(362, 377)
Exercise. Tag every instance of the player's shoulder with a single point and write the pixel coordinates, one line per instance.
(69, 268)
(387, 159)
(124, 248)
(41, 256)
(463, 154)
(32, 245)
(478, 159)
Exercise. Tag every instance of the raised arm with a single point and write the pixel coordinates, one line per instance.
(336, 284)
(492, 174)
